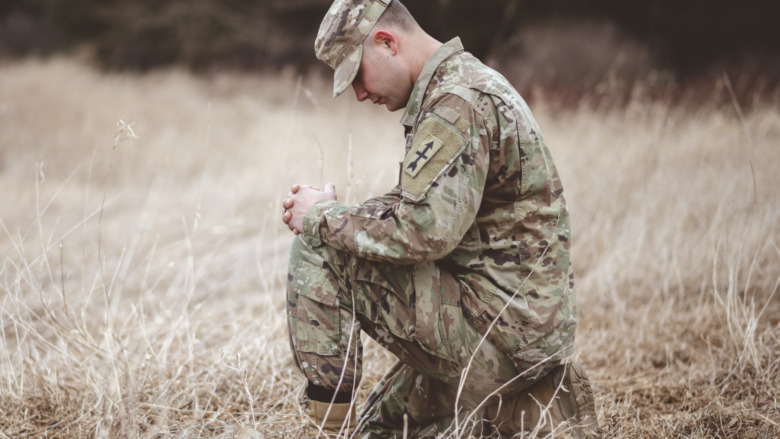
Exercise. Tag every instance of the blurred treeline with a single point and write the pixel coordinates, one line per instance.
(687, 39)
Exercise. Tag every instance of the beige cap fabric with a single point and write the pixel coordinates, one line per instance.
(340, 38)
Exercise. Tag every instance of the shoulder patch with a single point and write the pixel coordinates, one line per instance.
(421, 154)
(436, 144)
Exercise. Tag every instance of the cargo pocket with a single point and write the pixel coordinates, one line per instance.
(316, 325)
(439, 325)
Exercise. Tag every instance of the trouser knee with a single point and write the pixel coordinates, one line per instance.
(300, 251)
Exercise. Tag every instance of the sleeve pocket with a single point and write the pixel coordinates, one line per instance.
(436, 146)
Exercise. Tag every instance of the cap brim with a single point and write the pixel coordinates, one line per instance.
(346, 72)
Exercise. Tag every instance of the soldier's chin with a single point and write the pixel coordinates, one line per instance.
(393, 107)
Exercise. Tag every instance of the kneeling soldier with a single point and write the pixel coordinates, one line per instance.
(462, 270)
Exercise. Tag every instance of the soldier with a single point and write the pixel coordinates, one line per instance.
(462, 270)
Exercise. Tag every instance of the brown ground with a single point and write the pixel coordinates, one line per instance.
(141, 261)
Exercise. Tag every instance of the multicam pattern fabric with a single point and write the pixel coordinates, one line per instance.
(414, 312)
(474, 240)
(339, 40)
(494, 213)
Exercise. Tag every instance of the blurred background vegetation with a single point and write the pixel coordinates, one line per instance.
(568, 46)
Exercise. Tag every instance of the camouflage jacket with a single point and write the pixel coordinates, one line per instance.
(480, 195)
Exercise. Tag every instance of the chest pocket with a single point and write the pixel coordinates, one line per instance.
(430, 160)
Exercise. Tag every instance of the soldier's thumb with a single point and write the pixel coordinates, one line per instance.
(330, 187)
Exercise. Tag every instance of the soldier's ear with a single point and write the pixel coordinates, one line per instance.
(387, 40)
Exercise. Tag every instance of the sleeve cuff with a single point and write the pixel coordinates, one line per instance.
(312, 221)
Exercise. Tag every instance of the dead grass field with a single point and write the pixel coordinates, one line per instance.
(141, 261)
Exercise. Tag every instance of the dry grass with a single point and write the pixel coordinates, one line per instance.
(141, 278)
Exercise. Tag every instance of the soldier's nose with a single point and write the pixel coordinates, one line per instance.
(360, 93)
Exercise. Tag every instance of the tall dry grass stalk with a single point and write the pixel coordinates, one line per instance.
(142, 280)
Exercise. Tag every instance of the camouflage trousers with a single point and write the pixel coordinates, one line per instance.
(414, 312)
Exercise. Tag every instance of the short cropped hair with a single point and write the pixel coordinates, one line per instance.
(396, 15)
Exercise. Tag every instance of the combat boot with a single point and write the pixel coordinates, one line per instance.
(561, 401)
(328, 420)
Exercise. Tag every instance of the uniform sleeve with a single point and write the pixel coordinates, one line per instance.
(426, 216)
(390, 198)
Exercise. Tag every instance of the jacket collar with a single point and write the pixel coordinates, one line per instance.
(421, 86)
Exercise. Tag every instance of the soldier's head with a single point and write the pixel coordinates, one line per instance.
(377, 47)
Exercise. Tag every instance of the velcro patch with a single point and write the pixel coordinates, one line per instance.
(436, 144)
(421, 155)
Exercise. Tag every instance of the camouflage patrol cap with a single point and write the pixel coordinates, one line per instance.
(340, 38)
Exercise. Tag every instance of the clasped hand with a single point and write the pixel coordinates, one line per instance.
(299, 200)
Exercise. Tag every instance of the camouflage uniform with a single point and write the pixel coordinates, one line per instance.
(473, 240)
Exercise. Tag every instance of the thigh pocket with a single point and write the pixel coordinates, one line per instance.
(439, 325)
(315, 322)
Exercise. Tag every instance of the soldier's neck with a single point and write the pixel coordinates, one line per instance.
(423, 46)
